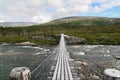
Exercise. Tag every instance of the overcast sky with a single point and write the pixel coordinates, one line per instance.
(45, 10)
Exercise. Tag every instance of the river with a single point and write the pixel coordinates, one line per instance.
(28, 56)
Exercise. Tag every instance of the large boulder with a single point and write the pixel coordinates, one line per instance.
(75, 40)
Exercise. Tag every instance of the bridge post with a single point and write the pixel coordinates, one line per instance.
(20, 73)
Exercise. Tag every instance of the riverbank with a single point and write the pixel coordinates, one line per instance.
(95, 30)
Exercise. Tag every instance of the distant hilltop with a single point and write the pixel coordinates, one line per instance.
(16, 24)
(76, 18)
(86, 20)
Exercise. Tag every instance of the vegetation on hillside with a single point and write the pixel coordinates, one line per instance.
(94, 30)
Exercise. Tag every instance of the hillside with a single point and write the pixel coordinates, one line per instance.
(87, 21)
(96, 30)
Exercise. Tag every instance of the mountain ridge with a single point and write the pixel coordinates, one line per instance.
(85, 20)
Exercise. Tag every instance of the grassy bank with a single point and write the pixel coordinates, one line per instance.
(94, 30)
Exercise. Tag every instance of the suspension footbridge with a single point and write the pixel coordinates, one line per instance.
(62, 69)
(60, 60)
